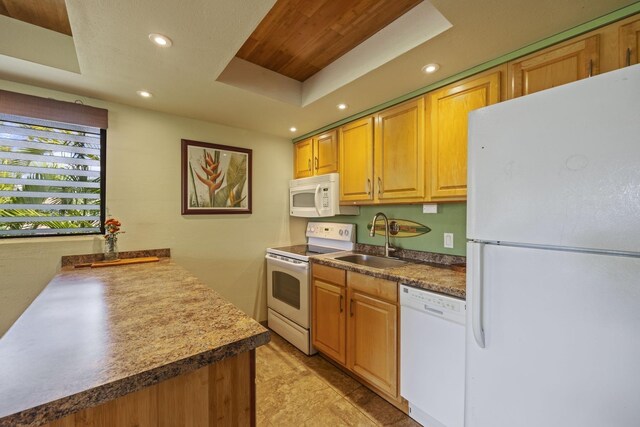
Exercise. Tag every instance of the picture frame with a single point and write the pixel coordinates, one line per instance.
(216, 179)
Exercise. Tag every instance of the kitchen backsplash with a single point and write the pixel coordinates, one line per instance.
(451, 218)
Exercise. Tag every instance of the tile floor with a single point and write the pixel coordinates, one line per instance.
(293, 389)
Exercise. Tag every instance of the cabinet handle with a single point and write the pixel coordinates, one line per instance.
(628, 56)
(309, 161)
(341, 302)
(590, 67)
(368, 186)
(351, 308)
(379, 186)
(317, 163)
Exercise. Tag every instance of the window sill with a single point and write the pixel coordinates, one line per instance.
(51, 239)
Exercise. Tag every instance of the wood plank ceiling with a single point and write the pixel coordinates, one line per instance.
(49, 14)
(298, 38)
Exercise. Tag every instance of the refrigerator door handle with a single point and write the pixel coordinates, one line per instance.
(476, 291)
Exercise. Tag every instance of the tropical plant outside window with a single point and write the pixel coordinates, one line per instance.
(51, 178)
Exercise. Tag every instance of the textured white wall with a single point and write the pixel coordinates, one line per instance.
(143, 190)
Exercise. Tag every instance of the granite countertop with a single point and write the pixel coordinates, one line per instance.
(431, 276)
(93, 335)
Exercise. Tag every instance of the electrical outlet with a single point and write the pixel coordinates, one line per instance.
(430, 208)
(448, 240)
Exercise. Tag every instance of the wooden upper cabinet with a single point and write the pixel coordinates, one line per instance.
(303, 158)
(317, 155)
(554, 66)
(325, 149)
(405, 154)
(399, 152)
(356, 165)
(629, 43)
(447, 113)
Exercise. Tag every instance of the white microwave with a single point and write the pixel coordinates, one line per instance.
(317, 196)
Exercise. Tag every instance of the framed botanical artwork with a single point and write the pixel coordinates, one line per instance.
(216, 179)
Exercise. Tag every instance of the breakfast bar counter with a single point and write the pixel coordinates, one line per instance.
(144, 344)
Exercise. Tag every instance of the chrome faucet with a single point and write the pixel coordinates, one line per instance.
(387, 247)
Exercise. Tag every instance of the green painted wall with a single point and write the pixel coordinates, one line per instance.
(451, 218)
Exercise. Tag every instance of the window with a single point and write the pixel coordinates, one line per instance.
(51, 177)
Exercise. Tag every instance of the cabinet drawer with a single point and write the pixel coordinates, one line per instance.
(330, 274)
(380, 288)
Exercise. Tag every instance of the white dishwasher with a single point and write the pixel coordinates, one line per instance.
(432, 347)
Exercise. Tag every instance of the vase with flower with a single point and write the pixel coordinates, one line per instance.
(112, 229)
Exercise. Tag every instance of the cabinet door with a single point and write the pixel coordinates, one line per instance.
(447, 135)
(356, 161)
(629, 42)
(302, 158)
(399, 152)
(555, 66)
(329, 320)
(373, 341)
(325, 153)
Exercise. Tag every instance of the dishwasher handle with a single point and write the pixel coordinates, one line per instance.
(433, 310)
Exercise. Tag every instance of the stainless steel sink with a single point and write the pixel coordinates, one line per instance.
(372, 261)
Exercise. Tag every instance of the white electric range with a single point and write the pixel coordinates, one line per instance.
(289, 280)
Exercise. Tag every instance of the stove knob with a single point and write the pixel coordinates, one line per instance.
(341, 232)
(312, 229)
(346, 232)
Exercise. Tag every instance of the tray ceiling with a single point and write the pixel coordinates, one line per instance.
(49, 14)
(298, 38)
(110, 56)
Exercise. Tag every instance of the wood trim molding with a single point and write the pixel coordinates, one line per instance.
(19, 104)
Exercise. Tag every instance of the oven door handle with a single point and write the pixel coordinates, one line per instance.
(302, 266)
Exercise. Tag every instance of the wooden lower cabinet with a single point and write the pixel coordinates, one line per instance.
(220, 394)
(360, 332)
(329, 319)
(373, 338)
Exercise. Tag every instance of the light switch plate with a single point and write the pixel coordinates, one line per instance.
(448, 240)
(430, 208)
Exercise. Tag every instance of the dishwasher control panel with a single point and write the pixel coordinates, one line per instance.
(433, 303)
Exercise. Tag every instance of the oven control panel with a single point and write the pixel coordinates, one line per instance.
(332, 230)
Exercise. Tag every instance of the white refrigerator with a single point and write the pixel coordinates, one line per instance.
(553, 254)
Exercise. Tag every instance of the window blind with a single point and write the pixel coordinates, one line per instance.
(51, 177)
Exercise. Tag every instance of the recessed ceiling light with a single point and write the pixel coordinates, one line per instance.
(293, 129)
(342, 106)
(430, 68)
(160, 40)
(144, 94)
